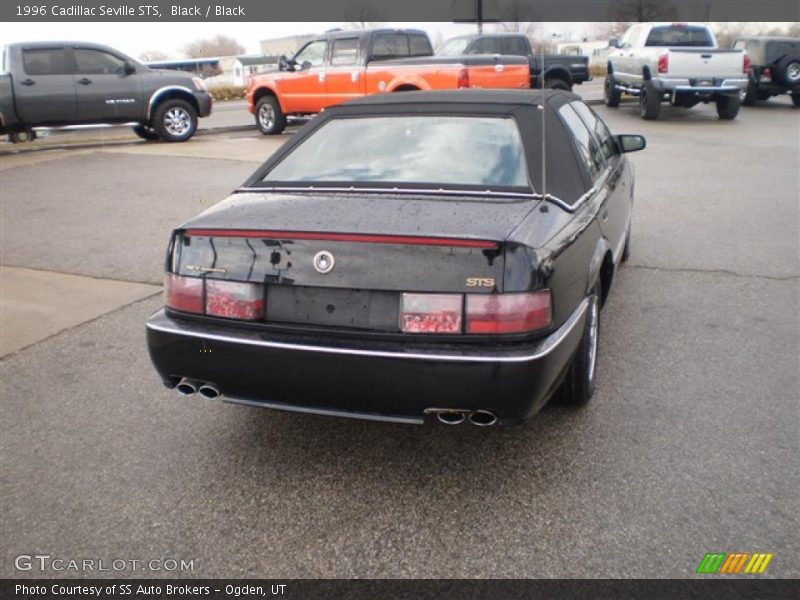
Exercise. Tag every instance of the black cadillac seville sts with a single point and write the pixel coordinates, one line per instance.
(407, 257)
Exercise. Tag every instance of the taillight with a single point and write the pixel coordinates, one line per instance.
(508, 313)
(431, 313)
(234, 300)
(766, 74)
(663, 63)
(746, 63)
(463, 78)
(183, 293)
(229, 299)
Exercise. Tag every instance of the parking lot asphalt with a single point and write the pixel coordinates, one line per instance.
(689, 446)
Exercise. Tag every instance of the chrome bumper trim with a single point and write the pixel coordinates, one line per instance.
(161, 322)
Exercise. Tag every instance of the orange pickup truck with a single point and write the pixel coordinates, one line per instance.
(340, 65)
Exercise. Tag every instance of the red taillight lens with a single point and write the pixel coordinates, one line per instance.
(508, 313)
(235, 300)
(183, 293)
(663, 63)
(746, 64)
(431, 313)
(463, 78)
(766, 74)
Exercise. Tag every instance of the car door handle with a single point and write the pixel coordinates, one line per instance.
(85, 81)
(28, 82)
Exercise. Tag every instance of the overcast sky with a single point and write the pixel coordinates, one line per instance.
(135, 38)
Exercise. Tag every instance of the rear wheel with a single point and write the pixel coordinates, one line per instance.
(649, 103)
(145, 132)
(728, 107)
(611, 94)
(270, 119)
(788, 71)
(578, 386)
(557, 84)
(175, 120)
(19, 137)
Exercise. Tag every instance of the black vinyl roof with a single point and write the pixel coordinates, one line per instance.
(567, 177)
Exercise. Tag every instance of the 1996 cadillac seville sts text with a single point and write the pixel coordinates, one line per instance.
(407, 257)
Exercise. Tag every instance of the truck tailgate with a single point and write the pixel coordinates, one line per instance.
(691, 63)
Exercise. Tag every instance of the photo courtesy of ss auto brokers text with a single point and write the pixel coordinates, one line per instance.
(411, 292)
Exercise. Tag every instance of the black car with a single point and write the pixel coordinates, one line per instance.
(774, 68)
(407, 257)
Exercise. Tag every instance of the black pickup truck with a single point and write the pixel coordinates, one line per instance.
(52, 84)
(561, 71)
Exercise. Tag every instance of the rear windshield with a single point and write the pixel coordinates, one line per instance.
(680, 35)
(424, 151)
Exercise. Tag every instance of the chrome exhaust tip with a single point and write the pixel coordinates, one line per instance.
(482, 418)
(186, 387)
(450, 417)
(208, 391)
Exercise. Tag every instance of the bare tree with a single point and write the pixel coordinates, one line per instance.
(219, 45)
(361, 14)
(610, 29)
(152, 56)
(516, 17)
(643, 10)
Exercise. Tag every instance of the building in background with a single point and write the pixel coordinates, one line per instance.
(597, 51)
(221, 70)
(287, 45)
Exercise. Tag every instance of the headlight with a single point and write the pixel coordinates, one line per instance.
(199, 84)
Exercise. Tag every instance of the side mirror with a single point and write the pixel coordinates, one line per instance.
(128, 69)
(631, 143)
(613, 43)
(306, 65)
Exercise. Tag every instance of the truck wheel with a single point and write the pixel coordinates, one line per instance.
(788, 71)
(728, 107)
(19, 137)
(649, 103)
(144, 132)
(174, 120)
(611, 94)
(751, 94)
(270, 119)
(557, 84)
(578, 386)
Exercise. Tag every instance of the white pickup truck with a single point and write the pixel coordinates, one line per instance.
(675, 62)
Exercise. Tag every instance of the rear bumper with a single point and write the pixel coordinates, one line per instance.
(725, 86)
(391, 383)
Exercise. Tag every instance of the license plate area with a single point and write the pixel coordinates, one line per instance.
(331, 307)
(705, 83)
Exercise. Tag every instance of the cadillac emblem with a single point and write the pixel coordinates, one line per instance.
(323, 262)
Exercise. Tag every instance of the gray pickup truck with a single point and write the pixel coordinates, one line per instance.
(52, 84)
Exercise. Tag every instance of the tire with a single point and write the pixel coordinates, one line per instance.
(270, 119)
(144, 132)
(578, 386)
(20, 137)
(751, 94)
(611, 95)
(174, 120)
(557, 84)
(788, 71)
(649, 103)
(796, 100)
(728, 107)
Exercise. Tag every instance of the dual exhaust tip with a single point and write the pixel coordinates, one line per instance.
(187, 387)
(479, 418)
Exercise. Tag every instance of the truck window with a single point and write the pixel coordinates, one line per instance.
(89, 61)
(587, 148)
(679, 36)
(313, 52)
(44, 61)
(488, 46)
(389, 45)
(454, 47)
(515, 47)
(420, 45)
(344, 52)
